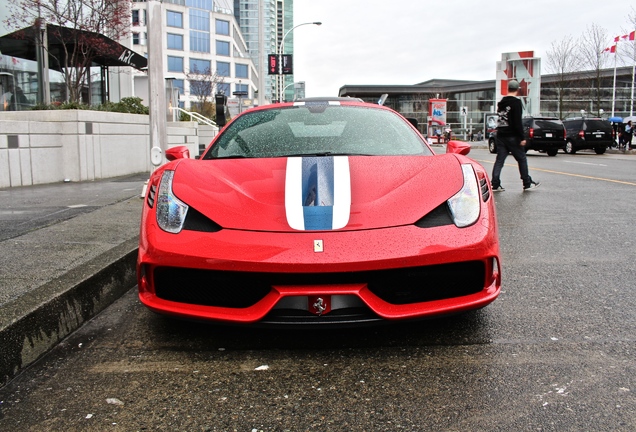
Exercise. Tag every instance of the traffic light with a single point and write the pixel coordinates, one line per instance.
(221, 101)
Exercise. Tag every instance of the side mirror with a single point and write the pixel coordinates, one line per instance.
(179, 152)
(458, 147)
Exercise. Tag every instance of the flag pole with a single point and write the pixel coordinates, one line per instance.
(614, 88)
(631, 103)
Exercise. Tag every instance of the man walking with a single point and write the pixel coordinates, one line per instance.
(510, 139)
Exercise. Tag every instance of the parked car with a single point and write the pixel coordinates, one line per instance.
(587, 133)
(544, 134)
(318, 212)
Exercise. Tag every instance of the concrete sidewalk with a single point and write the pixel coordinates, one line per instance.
(67, 251)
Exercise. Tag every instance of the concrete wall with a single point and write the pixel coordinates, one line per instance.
(39, 147)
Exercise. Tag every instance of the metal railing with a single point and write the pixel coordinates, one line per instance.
(193, 116)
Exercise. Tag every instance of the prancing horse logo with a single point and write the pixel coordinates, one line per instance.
(320, 306)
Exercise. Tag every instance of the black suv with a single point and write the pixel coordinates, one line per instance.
(587, 133)
(544, 134)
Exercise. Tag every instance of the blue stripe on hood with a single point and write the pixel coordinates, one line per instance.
(318, 192)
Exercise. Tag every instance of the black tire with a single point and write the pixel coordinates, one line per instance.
(569, 147)
(552, 152)
(600, 150)
(492, 147)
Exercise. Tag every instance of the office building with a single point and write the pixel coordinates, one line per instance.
(205, 53)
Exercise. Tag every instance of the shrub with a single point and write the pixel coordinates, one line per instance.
(130, 105)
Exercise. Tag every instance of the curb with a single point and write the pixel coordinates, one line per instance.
(34, 324)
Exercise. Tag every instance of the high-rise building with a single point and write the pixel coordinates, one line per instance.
(205, 52)
(264, 23)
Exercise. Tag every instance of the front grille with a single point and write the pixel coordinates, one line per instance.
(396, 286)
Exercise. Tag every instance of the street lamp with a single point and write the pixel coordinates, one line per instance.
(280, 57)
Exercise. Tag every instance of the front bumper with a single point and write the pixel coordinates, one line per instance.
(356, 276)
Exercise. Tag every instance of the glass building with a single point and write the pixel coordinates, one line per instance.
(264, 24)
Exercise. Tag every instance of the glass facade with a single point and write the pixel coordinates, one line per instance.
(246, 13)
(199, 41)
(199, 20)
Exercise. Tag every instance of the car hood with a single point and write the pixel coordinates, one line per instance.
(317, 193)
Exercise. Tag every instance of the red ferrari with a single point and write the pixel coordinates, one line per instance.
(318, 212)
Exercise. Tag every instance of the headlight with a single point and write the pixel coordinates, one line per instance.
(171, 212)
(465, 204)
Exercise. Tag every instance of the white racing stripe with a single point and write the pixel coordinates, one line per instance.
(342, 192)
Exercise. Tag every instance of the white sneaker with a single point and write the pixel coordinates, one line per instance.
(533, 185)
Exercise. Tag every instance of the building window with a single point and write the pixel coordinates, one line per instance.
(200, 4)
(223, 88)
(241, 71)
(199, 20)
(244, 88)
(174, 19)
(199, 41)
(178, 84)
(223, 69)
(222, 27)
(222, 48)
(175, 64)
(200, 66)
(135, 17)
(135, 38)
(175, 41)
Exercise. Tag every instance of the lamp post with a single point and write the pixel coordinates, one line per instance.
(280, 57)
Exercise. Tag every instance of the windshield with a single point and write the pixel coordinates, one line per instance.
(318, 129)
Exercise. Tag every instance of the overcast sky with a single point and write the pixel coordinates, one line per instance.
(411, 41)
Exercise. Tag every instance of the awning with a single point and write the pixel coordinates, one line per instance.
(103, 50)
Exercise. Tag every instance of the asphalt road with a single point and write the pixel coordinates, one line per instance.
(556, 351)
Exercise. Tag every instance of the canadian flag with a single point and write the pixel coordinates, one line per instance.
(611, 49)
(629, 36)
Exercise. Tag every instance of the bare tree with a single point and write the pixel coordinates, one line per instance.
(594, 57)
(75, 51)
(562, 59)
(202, 86)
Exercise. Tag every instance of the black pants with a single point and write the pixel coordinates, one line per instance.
(510, 145)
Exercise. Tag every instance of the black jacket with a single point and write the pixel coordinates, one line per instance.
(509, 123)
